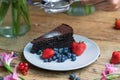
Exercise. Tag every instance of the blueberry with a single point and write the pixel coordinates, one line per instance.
(73, 59)
(62, 59)
(62, 55)
(69, 50)
(50, 59)
(66, 57)
(56, 53)
(60, 50)
(45, 60)
(14, 55)
(39, 52)
(73, 55)
(56, 49)
(72, 76)
(65, 53)
(59, 59)
(69, 55)
(77, 78)
(54, 58)
(65, 50)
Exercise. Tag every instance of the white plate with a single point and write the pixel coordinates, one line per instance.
(89, 56)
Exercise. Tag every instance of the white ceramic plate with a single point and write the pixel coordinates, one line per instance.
(89, 56)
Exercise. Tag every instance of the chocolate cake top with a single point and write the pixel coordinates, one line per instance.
(58, 31)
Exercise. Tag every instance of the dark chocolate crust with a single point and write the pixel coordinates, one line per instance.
(61, 36)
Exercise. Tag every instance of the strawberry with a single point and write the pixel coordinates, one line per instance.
(48, 53)
(117, 24)
(115, 59)
(78, 48)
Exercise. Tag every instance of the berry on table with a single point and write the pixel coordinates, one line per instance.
(117, 24)
(115, 59)
(72, 76)
(14, 55)
(23, 67)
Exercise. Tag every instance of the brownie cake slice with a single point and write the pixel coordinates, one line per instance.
(61, 36)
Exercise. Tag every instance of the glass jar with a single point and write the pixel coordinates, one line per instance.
(14, 18)
(76, 9)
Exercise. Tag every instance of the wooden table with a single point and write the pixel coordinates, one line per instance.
(97, 26)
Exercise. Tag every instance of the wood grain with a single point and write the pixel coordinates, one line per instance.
(98, 26)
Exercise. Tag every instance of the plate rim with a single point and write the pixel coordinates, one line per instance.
(92, 61)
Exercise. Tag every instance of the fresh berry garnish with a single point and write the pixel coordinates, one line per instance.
(73, 59)
(45, 60)
(48, 53)
(115, 59)
(78, 48)
(39, 52)
(60, 55)
(117, 24)
(23, 67)
(72, 76)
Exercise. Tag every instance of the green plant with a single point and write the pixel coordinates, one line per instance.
(19, 8)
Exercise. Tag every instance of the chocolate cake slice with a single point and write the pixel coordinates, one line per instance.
(61, 36)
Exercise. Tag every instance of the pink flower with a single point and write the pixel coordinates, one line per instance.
(6, 58)
(13, 76)
(108, 70)
(103, 78)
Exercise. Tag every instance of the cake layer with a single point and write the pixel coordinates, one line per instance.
(62, 36)
(60, 30)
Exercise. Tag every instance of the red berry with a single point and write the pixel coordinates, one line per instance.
(117, 24)
(115, 59)
(26, 69)
(48, 53)
(78, 48)
(21, 63)
(25, 64)
(23, 67)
